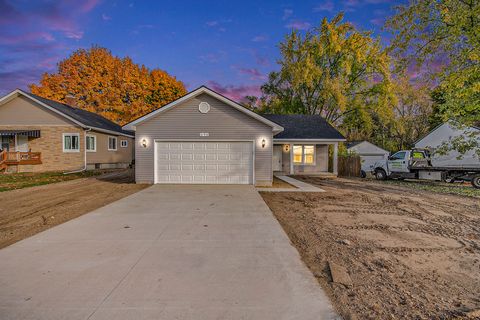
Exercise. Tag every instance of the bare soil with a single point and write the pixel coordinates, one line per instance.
(27, 211)
(410, 254)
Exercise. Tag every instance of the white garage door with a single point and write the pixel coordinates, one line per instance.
(204, 162)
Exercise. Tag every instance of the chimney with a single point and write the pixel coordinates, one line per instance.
(71, 100)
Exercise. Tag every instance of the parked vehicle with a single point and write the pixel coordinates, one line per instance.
(417, 164)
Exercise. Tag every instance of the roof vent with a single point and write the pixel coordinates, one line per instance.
(203, 107)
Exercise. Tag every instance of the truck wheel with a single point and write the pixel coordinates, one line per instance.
(476, 181)
(380, 174)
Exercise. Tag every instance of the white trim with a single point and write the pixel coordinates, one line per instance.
(18, 92)
(63, 142)
(121, 143)
(275, 127)
(116, 143)
(303, 155)
(94, 142)
(193, 140)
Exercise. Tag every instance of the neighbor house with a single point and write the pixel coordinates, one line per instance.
(206, 138)
(368, 152)
(38, 134)
(444, 133)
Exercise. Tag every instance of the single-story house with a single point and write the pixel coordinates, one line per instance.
(206, 138)
(368, 152)
(443, 133)
(38, 134)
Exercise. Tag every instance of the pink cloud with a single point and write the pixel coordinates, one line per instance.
(88, 5)
(253, 73)
(299, 25)
(235, 92)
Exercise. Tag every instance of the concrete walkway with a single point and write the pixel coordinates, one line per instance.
(167, 252)
(300, 186)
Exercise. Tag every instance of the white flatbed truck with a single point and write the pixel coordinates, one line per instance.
(416, 164)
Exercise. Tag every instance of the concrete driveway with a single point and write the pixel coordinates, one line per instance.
(167, 252)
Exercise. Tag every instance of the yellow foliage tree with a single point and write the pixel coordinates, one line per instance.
(116, 88)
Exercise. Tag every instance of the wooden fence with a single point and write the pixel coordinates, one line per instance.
(349, 166)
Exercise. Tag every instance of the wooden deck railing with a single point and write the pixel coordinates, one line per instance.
(20, 158)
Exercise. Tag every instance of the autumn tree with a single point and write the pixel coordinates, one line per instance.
(336, 71)
(114, 87)
(442, 37)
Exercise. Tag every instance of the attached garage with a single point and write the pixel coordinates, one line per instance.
(204, 162)
(204, 138)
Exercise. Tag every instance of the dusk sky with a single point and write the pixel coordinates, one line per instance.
(230, 46)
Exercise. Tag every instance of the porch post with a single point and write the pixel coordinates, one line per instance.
(335, 158)
(16, 144)
(291, 158)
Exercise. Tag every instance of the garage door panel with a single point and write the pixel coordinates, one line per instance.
(204, 162)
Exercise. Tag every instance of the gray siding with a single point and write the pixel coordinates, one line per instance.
(185, 122)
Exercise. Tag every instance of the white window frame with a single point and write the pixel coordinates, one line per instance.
(302, 163)
(122, 143)
(108, 143)
(94, 142)
(70, 135)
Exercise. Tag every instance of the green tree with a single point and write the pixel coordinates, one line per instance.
(430, 33)
(116, 88)
(336, 71)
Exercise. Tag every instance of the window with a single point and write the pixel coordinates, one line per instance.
(398, 156)
(123, 143)
(297, 154)
(91, 143)
(71, 142)
(304, 155)
(418, 155)
(112, 143)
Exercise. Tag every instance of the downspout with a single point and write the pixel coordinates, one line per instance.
(84, 151)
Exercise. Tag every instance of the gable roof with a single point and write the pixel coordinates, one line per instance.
(450, 124)
(366, 148)
(83, 118)
(304, 127)
(352, 144)
(203, 89)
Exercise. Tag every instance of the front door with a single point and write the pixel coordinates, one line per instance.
(398, 162)
(277, 158)
(5, 143)
(22, 144)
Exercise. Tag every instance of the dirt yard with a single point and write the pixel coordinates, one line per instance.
(410, 254)
(25, 212)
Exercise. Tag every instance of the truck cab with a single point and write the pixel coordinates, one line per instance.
(402, 164)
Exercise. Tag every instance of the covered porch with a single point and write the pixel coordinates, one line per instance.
(305, 157)
(15, 150)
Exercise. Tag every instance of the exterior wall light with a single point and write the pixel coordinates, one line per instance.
(263, 143)
(144, 142)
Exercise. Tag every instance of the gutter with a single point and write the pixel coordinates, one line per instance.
(85, 153)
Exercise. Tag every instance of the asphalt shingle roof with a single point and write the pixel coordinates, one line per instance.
(301, 126)
(87, 118)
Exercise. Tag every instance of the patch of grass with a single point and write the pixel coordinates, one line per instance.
(462, 189)
(24, 180)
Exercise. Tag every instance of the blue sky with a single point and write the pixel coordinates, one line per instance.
(230, 46)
